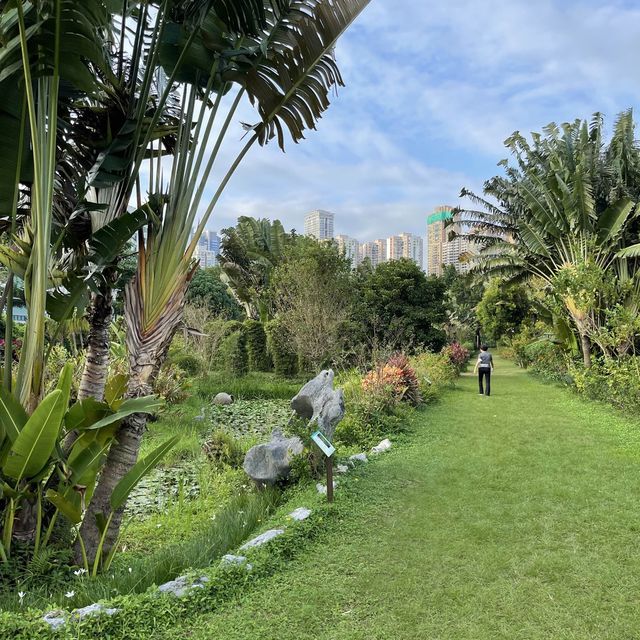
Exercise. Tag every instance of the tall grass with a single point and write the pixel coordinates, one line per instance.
(128, 575)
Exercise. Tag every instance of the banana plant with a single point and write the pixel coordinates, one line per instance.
(566, 209)
(30, 455)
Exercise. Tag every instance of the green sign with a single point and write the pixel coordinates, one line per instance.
(325, 446)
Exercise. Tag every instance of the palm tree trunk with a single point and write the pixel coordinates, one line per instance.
(586, 350)
(147, 352)
(122, 456)
(94, 376)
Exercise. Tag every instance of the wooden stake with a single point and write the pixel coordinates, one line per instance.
(329, 479)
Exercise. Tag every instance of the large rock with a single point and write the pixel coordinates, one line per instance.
(223, 399)
(270, 462)
(320, 403)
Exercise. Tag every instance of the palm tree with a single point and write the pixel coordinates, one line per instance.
(279, 53)
(249, 253)
(563, 214)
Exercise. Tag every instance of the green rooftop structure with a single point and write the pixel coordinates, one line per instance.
(439, 216)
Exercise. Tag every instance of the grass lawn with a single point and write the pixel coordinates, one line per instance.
(514, 516)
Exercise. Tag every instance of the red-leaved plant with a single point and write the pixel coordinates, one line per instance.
(457, 354)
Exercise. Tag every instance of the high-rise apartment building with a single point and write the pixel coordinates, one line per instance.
(440, 250)
(319, 224)
(395, 246)
(436, 238)
(207, 249)
(370, 250)
(413, 248)
(350, 247)
(381, 245)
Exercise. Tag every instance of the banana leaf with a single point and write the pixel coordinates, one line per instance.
(138, 471)
(33, 447)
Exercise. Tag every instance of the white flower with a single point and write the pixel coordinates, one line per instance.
(124, 548)
(130, 570)
(79, 572)
(213, 517)
(21, 595)
(70, 594)
(158, 526)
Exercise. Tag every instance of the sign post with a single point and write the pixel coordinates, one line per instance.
(328, 449)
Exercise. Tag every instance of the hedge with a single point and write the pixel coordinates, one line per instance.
(285, 361)
(257, 353)
(233, 352)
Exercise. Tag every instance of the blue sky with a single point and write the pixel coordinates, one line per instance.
(433, 89)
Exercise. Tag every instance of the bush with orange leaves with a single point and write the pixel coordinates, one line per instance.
(395, 379)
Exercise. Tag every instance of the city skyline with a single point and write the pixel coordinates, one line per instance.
(320, 223)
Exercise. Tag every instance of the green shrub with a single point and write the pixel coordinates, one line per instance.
(233, 352)
(547, 359)
(190, 364)
(372, 412)
(280, 349)
(257, 353)
(223, 449)
(615, 381)
(231, 326)
(172, 385)
(435, 371)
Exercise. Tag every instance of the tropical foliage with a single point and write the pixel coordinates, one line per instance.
(105, 105)
(565, 214)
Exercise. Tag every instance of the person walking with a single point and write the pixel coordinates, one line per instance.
(484, 367)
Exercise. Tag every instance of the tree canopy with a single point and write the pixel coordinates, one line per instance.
(400, 304)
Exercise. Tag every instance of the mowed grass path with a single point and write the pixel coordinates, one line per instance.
(515, 516)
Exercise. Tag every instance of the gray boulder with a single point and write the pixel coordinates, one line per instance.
(182, 586)
(319, 402)
(270, 462)
(263, 538)
(299, 514)
(223, 399)
(359, 457)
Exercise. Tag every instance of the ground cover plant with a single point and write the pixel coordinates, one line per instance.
(486, 524)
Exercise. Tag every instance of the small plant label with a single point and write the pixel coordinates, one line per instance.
(325, 446)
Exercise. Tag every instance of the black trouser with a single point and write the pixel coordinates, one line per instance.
(485, 373)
